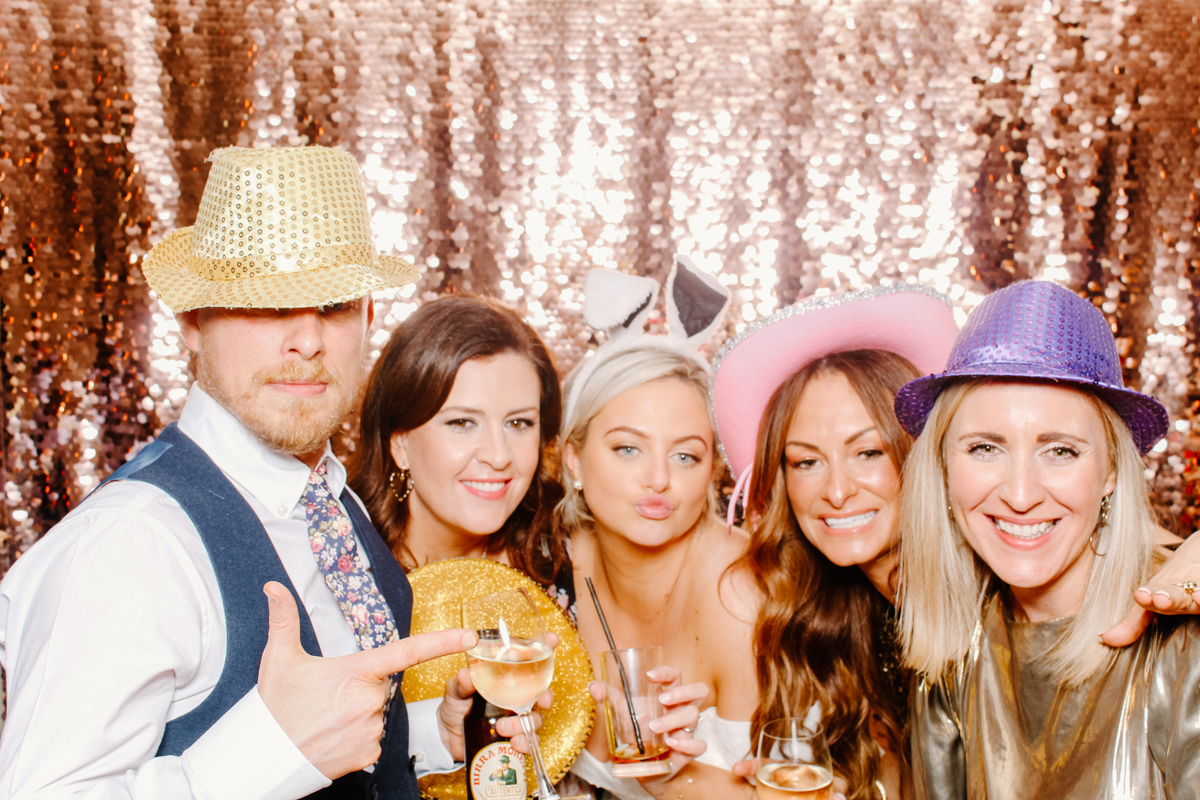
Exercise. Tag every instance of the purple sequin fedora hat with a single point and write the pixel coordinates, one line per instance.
(1038, 330)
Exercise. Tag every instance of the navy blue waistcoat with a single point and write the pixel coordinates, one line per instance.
(244, 559)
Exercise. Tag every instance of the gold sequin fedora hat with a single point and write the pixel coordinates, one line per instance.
(282, 227)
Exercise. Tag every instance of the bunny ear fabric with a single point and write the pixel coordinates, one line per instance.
(616, 302)
(696, 302)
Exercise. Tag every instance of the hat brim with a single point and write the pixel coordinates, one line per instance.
(1146, 418)
(166, 268)
(911, 320)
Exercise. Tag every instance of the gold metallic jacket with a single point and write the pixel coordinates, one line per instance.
(1001, 729)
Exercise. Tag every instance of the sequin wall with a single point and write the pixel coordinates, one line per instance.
(798, 146)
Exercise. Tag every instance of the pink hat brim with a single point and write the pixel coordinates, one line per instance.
(910, 320)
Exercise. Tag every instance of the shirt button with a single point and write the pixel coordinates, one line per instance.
(283, 510)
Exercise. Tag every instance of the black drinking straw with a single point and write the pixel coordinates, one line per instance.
(637, 731)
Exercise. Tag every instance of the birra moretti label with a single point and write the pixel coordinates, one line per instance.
(498, 773)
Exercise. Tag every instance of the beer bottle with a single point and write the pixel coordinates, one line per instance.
(495, 770)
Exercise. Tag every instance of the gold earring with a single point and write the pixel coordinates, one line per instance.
(406, 476)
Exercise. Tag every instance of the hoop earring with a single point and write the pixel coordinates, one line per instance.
(406, 476)
(1105, 509)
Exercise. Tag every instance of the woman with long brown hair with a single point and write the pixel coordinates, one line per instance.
(823, 510)
(455, 459)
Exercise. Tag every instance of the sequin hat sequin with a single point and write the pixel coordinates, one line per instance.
(283, 227)
(1040, 331)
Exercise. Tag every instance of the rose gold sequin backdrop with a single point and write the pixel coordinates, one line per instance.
(800, 146)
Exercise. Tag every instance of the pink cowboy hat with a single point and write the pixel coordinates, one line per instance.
(908, 319)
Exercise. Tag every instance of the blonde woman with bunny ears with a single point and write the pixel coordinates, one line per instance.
(639, 457)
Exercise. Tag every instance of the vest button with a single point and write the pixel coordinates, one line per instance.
(374, 792)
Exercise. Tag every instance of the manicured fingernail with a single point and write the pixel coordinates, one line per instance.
(652, 674)
(1164, 593)
(469, 640)
(656, 726)
(272, 599)
(665, 698)
(671, 741)
(1145, 589)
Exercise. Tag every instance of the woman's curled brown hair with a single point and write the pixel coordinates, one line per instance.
(822, 627)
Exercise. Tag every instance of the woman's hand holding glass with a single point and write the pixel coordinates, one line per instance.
(456, 703)
(513, 664)
(681, 704)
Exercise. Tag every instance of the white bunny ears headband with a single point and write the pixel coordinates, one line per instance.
(621, 304)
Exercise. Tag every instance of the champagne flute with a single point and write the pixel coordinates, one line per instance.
(793, 762)
(512, 665)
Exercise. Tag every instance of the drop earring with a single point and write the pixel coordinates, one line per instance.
(1105, 509)
(406, 476)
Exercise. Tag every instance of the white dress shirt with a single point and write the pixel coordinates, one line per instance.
(112, 625)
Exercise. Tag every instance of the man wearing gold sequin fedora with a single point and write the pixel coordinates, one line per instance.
(142, 658)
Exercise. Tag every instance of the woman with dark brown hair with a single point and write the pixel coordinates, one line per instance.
(455, 459)
(823, 509)
(456, 443)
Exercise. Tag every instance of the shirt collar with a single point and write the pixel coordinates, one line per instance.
(277, 480)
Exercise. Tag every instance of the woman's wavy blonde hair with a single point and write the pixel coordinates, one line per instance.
(945, 587)
(622, 370)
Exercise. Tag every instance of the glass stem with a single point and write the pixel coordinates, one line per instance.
(545, 790)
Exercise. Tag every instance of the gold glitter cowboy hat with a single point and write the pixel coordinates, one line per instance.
(282, 227)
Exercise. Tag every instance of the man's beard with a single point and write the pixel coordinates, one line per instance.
(287, 424)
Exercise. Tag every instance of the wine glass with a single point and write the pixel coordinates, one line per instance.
(793, 762)
(512, 665)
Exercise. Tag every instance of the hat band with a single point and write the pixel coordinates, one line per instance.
(1044, 369)
(233, 269)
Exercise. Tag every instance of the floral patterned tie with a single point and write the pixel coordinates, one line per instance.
(332, 538)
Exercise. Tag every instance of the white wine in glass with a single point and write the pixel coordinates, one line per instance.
(512, 665)
(793, 762)
(512, 676)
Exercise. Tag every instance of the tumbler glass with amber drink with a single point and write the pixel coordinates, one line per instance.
(630, 705)
(793, 762)
(513, 664)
